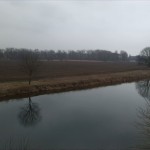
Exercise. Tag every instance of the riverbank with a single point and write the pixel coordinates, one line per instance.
(10, 90)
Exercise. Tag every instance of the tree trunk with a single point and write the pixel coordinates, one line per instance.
(30, 78)
(29, 81)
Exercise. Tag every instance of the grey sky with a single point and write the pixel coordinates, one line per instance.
(85, 24)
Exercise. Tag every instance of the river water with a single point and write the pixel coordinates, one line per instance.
(105, 118)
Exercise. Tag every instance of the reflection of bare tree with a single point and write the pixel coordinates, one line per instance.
(143, 88)
(30, 114)
(14, 143)
(143, 125)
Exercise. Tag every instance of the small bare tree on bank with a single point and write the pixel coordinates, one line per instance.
(30, 63)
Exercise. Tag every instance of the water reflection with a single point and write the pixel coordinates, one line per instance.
(16, 143)
(100, 118)
(29, 114)
(143, 88)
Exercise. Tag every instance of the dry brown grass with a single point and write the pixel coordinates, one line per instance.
(22, 89)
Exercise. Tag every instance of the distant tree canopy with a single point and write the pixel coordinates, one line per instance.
(144, 57)
(98, 55)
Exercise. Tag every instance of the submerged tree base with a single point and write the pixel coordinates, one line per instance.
(12, 90)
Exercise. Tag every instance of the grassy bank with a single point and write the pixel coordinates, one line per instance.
(59, 84)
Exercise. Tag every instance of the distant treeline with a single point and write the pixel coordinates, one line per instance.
(98, 55)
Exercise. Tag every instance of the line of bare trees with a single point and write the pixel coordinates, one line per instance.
(98, 55)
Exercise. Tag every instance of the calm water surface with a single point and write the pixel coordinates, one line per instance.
(107, 118)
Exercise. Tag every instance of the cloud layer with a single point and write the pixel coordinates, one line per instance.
(111, 25)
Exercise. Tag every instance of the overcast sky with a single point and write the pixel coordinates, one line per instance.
(75, 24)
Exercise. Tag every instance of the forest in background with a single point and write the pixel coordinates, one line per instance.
(97, 55)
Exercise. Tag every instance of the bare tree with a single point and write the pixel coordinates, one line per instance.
(145, 54)
(30, 63)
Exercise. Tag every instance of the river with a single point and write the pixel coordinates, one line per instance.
(105, 118)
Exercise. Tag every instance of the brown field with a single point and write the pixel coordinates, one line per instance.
(11, 70)
(59, 76)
